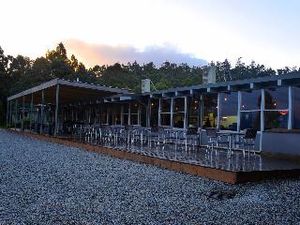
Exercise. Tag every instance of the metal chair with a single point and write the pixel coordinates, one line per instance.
(212, 138)
(247, 142)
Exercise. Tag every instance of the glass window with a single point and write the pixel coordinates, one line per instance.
(134, 111)
(154, 112)
(165, 112)
(143, 116)
(250, 120)
(134, 108)
(116, 115)
(178, 120)
(125, 108)
(276, 105)
(178, 105)
(125, 114)
(165, 119)
(125, 119)
(165, 105)
(103, 113)
(134, 119)
(296, 107)
(178, 116)
(251, 100)
(228, 110)
(276, 119)
(210, 110)
(110, 117)
(276, 98)
(193, 111)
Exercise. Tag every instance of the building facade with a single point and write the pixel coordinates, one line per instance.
(270, 105)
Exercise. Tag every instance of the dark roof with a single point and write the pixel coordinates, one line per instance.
(246, 84)
(70, 91)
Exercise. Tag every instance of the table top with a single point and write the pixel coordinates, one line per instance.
(230, 132)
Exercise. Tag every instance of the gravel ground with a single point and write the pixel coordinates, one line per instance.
(46, 183)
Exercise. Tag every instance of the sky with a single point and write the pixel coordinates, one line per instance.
(181, 31)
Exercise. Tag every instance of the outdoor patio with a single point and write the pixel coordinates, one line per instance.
(179, 147)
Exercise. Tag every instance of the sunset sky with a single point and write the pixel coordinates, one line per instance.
(192, 31)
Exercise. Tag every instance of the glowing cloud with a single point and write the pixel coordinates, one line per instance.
(92, 54)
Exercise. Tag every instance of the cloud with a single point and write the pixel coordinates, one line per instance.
(101, 54)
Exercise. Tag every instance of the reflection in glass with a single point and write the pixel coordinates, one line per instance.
(178, 105)
(143, 116)
(116, 115)
(165, 119)
(276, 119)
(178, 120)
(165, 105)
(154, 113)
(103, 116)
(134, 119)
(125, 114)
(228, 110)
(125, 119)
(276, 98)
(178, 116)
(134, 108)
(210, 110)
(251, 100)
(125, 108)
(193, 111)
(250, 120)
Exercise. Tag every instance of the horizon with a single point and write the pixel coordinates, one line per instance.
(192, 32)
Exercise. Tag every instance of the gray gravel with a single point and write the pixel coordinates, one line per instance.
(46, 183)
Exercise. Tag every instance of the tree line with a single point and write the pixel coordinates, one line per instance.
(20, 73)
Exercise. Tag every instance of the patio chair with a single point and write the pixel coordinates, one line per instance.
(247, 142)
(249, 139)
(212, 138)
(193, 138)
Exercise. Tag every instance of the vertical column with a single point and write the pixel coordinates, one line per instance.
(42, 112)
(31, 112)
(290, 113)
(201, 111)
(90, 113)
(76, 112)
(139, 115)
(122, 114)
(129, 114)
(23, 113)
(7, 113)
(172, 112)
(239, 111)
(107, 115)
(148, 114)
(185, 121)
(218, 110)
(159, 111)
(16, 113)
(72, 112)
(10, 114)
(262, 118)
(56, 125)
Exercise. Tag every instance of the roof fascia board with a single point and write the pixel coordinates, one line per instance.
(34, 89)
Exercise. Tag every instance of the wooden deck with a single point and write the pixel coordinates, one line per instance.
(232, 177)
